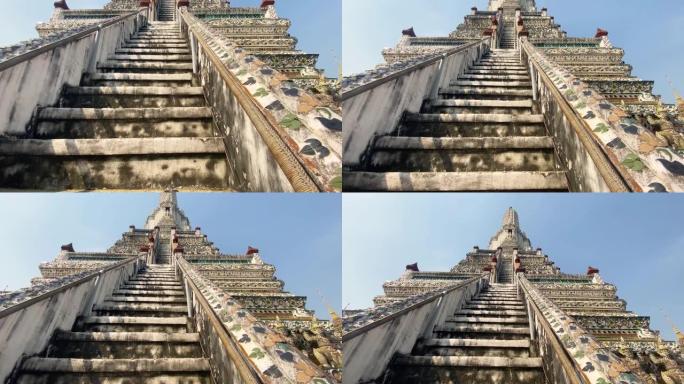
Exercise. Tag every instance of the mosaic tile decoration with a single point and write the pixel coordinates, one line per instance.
(276, 360)
(598, 364)
(652, 167)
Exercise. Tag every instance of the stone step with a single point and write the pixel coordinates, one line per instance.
(155, 46)
(133, 97)
(140, 307)
(455, 181)
(462, 160)
(152, 58)
(474, 118)
(153, 39)
(446, 143)
(145, 299)
(140, 337)
(496, 72)
(129, 65)
(130, 366)
(147, 287)
(114, 147)
(495, 302)
(483, 320)
(112, 324)
(483, 103)
(483, 83)
(446, 129)
(497, 67)
(479, 343)
(485, 312)
(151, 51)
(494, 77)
(415, 374)
(143, 128)
(483, 328)
(471, 361)
(155, 282)
(124, 113)
(143, 292)
(166, 77)
(490, 91)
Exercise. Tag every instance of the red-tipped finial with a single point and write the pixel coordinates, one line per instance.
(252, 250)
(601, 32)
(408, 32)
(61, 4)
(267, 3)
(592, 271)
(412, 267)
(68, 247)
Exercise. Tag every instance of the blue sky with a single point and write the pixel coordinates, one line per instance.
(299, 233)
(315, 23)
(650, 32)
(635, 240)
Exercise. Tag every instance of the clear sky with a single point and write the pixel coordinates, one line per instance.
(316, 24)
(299, 233)
(636, 241)
(650, 32)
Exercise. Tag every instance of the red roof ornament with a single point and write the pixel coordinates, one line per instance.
(62, 4)
(251, 250)
(592, 271)
(175, 239)
(267, 3)
(601, 32)
(408, 32)
(517, 259)
(520, 21)
(413, 267)
(68, 247)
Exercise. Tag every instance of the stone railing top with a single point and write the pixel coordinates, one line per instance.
(598, 364)
(267, 350)
(29, 46)
(647, 165)
(314, 130)
(384, 70)
(363, 318)
(11, 299)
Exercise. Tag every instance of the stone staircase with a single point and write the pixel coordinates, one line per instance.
(508, 37)
(167, 10)
(484, 133)
(505, 270)
(140, 122)
(487, 341)
(141, 334)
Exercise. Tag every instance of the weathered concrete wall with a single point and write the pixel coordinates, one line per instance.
(252, 167)
(378, 109)
(368, 353)
(28, 331)
(39, 80)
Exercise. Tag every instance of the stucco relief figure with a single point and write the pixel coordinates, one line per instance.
(323, 351)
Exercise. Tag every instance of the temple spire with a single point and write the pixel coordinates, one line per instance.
(510, 235)
(167, 213)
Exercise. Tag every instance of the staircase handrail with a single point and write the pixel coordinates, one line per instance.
(427, 61)
(292, 165)
(88, 276)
